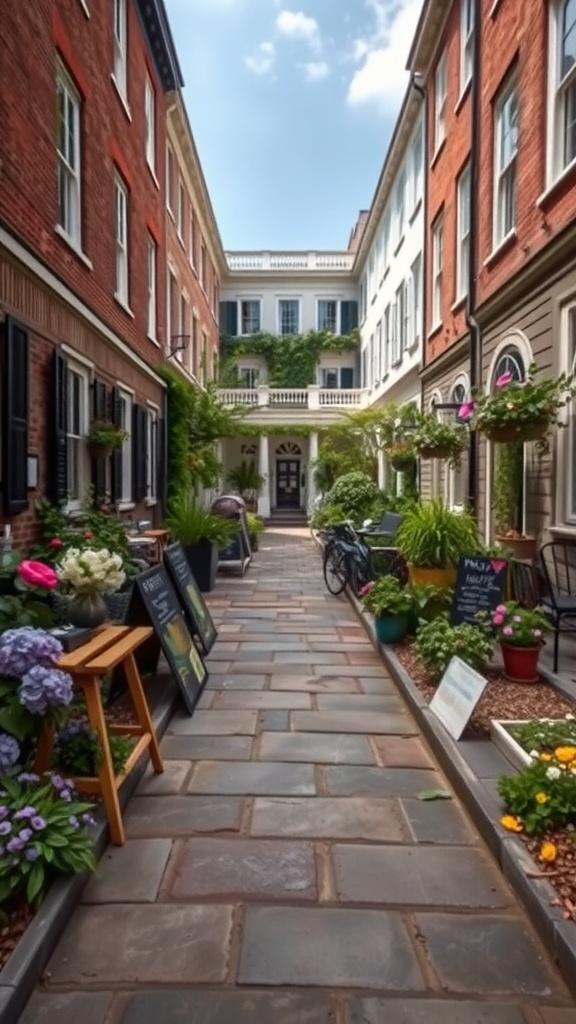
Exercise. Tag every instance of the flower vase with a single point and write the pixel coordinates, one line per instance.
(520, 663)
(87, 610)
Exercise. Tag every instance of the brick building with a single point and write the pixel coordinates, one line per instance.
(82, 249)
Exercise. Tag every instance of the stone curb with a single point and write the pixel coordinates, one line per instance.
(536, 895)
(24, 968)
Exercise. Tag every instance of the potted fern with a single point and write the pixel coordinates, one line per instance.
(432, 539)
(246, 479)
(201, 534)
(104, 437)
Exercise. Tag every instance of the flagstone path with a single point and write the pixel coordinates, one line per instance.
(283, 869)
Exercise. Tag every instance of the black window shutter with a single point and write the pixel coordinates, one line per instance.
(346, 377)
(58, 450)
(162, 463)
(139, 452)
(99, 412)
(348, 317)
(15, 420)
(229, 318)
(117, 453)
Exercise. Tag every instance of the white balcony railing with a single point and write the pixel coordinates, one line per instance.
(313, 397)
(289, 261)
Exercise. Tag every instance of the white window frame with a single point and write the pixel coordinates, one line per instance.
(183, 321)
(319, 325)
(464, 194)
(75, 439)
(437, 270)
(151, 255)
(407, 328)
(417, 167)
(387, 340)
(241, 318)
(561, 96)
(192, 237)
(387, 235)
(150, 119)
(181, 208)
(120, 30)
(203, 264)
(170, 181)
(121, 237)
(466, 42)
(171, 289)
(504, 170)
(152, 459)
(281, 301)
(400, 317)
(399, 207)
(440, 95)
(126, 401)
(69, 219)
(416, 296)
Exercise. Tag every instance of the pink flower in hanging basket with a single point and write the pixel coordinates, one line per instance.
(504, 379)
(466, 411)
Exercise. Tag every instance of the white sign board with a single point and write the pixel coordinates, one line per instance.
(457, 696)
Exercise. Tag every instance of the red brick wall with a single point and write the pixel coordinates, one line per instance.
(518, 30)
(35, 32)
(443, 172)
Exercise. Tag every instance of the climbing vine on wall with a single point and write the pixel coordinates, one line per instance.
(290, 359)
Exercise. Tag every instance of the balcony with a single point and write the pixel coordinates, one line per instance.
(311, 398)
(289, 262)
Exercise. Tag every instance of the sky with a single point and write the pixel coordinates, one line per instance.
(292, 104)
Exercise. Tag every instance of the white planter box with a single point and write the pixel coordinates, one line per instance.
(502, 739)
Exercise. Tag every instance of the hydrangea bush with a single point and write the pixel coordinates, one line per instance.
(31, 687)
(514, 626)
(91, 571)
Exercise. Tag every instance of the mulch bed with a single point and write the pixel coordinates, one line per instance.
(13, 929)
(505, 700)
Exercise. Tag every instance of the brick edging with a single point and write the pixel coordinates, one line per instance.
(23, 970)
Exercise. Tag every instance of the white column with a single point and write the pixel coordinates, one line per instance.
(264, 470)
(381, 470)
(312, 456)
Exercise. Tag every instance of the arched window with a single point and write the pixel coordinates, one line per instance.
(288, 448)
(510, 361)
(457, 476)
(509, 459)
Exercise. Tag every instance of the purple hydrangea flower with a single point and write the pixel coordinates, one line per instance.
(88, 819)
(3, 812)
(37, 823)
(31, 853)
(22, 649)
(25, 835)
(73, 821)
(25, 812)
(28, 777)
(66, 796)
(43, 687)
(15, 845)
(5, 828)
(9, 751)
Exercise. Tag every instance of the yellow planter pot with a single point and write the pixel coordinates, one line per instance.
(432, 577)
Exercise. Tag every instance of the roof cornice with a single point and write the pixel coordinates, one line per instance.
(159, 36)
(427, 36)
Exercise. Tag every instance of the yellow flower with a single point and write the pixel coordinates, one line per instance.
(548, 853)
(511, 823)
(565, 754)
(545, 757)
(541, 798)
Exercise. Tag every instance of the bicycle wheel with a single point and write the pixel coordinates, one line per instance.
(358, 574)
(333, 569)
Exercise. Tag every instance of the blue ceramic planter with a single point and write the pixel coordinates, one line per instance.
(390, 629)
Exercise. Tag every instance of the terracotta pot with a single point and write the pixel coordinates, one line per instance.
(517, 432)
(523, 548)
(432, 577)
(520, 663)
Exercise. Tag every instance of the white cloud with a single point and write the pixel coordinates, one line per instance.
(299, 26)
(381, 77)
(316, 69)
(262, 61)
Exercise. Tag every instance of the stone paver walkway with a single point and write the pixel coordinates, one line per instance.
(283, 870)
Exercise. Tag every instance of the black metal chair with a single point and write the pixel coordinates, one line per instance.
(556, 569)
(523, 584)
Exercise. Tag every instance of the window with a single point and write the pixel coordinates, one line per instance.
(170, 181)
(182, 327)
(463, 239)
(417, 301)
(151, 288)
(328, 315)
(440, 103)
(172, 311)
(194, 347)
(400, 336)
(363, 300)
(249, 377)
(150, 116)
(192, 239)
(329, 377)
(466, 41)
(407, 311)
(121, 208)
(387, 340)
(437, 267)
(204, 359)
(372, 276)
(387, 241)
(151, 454)
(562, 145)
(399, 199)
(181, 210)
(120, 37)
(505, 154)
(203, 267)
(417, 169)
(68, 149)
(457, 474)
(125, 401)
(249, 316)
(379, 353)
(288, 316)
(76, 429)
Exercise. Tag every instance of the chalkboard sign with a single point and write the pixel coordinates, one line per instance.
(154, 602)
(480, 587)
(237, 552)
(195, 610)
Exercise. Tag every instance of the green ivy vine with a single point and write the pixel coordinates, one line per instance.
(291, 359)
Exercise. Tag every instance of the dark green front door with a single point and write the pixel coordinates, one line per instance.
(288, 483)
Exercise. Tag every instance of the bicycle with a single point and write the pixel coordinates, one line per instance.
(350, 561)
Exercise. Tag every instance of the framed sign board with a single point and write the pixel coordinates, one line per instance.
(154, 602)
(458, 694)
(480, 587)
(237, 553)
(193, 603)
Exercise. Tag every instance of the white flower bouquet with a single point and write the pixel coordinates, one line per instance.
(91, 571)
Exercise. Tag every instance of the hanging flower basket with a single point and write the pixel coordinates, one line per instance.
(402, 463)
(100, 451)
(437, 452)
(514, 432)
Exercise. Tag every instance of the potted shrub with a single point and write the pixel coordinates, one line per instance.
(433, 439)
(438, 642)
(103, 437)
(433, 539)
(201, 533)
(508, 473)
(390, 603)
(521, 410)
(401, 455)
(246, 479)
(255, 528)
(520, 633)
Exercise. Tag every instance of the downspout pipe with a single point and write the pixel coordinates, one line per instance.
(416, 83)
(471, 322)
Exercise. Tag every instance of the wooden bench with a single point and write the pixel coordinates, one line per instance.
(88, 664)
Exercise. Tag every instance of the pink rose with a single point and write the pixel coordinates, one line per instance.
(501, 609)
(498, 620)
(504, 379)
(37, 574)
(88, 534)
(55, 542)
(366, 589)
(507, 631)
(537, 632)
(465, 411)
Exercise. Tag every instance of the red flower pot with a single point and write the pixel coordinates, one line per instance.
(520, 663)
